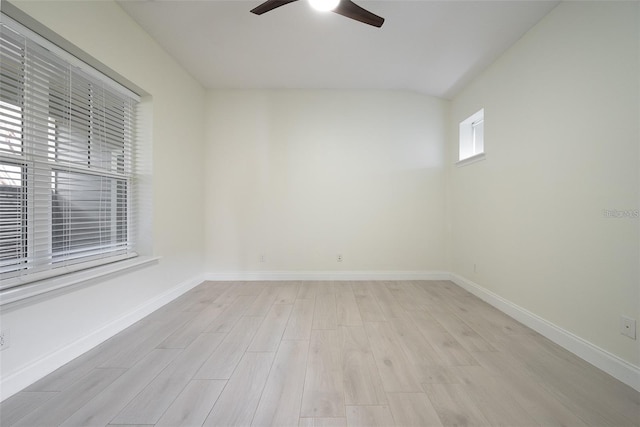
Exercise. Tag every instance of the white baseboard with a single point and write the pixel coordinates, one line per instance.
(609, 363)
(327, 275)
(31, 373)
(602, 359)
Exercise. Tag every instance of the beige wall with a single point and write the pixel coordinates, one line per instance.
(561, 140)
(302, 176)
(45, 326)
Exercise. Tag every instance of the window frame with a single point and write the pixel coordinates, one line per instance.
(469, 151)
(17, 285)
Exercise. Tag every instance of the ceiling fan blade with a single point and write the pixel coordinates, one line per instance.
(351, 10)
(270, 5)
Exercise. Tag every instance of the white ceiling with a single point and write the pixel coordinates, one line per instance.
(433, 47)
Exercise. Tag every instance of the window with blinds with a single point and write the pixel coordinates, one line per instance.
(65, 163)
(472, 137)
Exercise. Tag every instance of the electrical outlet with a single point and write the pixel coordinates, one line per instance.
(4, 340)
(628, 327)
(339, 259)
(263, 258)
(475, 268)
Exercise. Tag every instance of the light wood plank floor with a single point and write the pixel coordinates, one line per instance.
(411, 353)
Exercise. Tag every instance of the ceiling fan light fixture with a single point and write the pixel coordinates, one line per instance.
(346, 8)
(324, 5)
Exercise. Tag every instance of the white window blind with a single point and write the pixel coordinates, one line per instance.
(66, 170)
(477, 131)
(472, 136)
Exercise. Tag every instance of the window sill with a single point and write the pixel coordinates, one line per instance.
(473, 159)
(31, 290)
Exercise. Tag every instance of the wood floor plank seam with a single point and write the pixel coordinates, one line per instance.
(326, 354)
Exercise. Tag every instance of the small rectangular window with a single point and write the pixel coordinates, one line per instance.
(472, 136)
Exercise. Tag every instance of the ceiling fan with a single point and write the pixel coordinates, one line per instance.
(341, 7)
